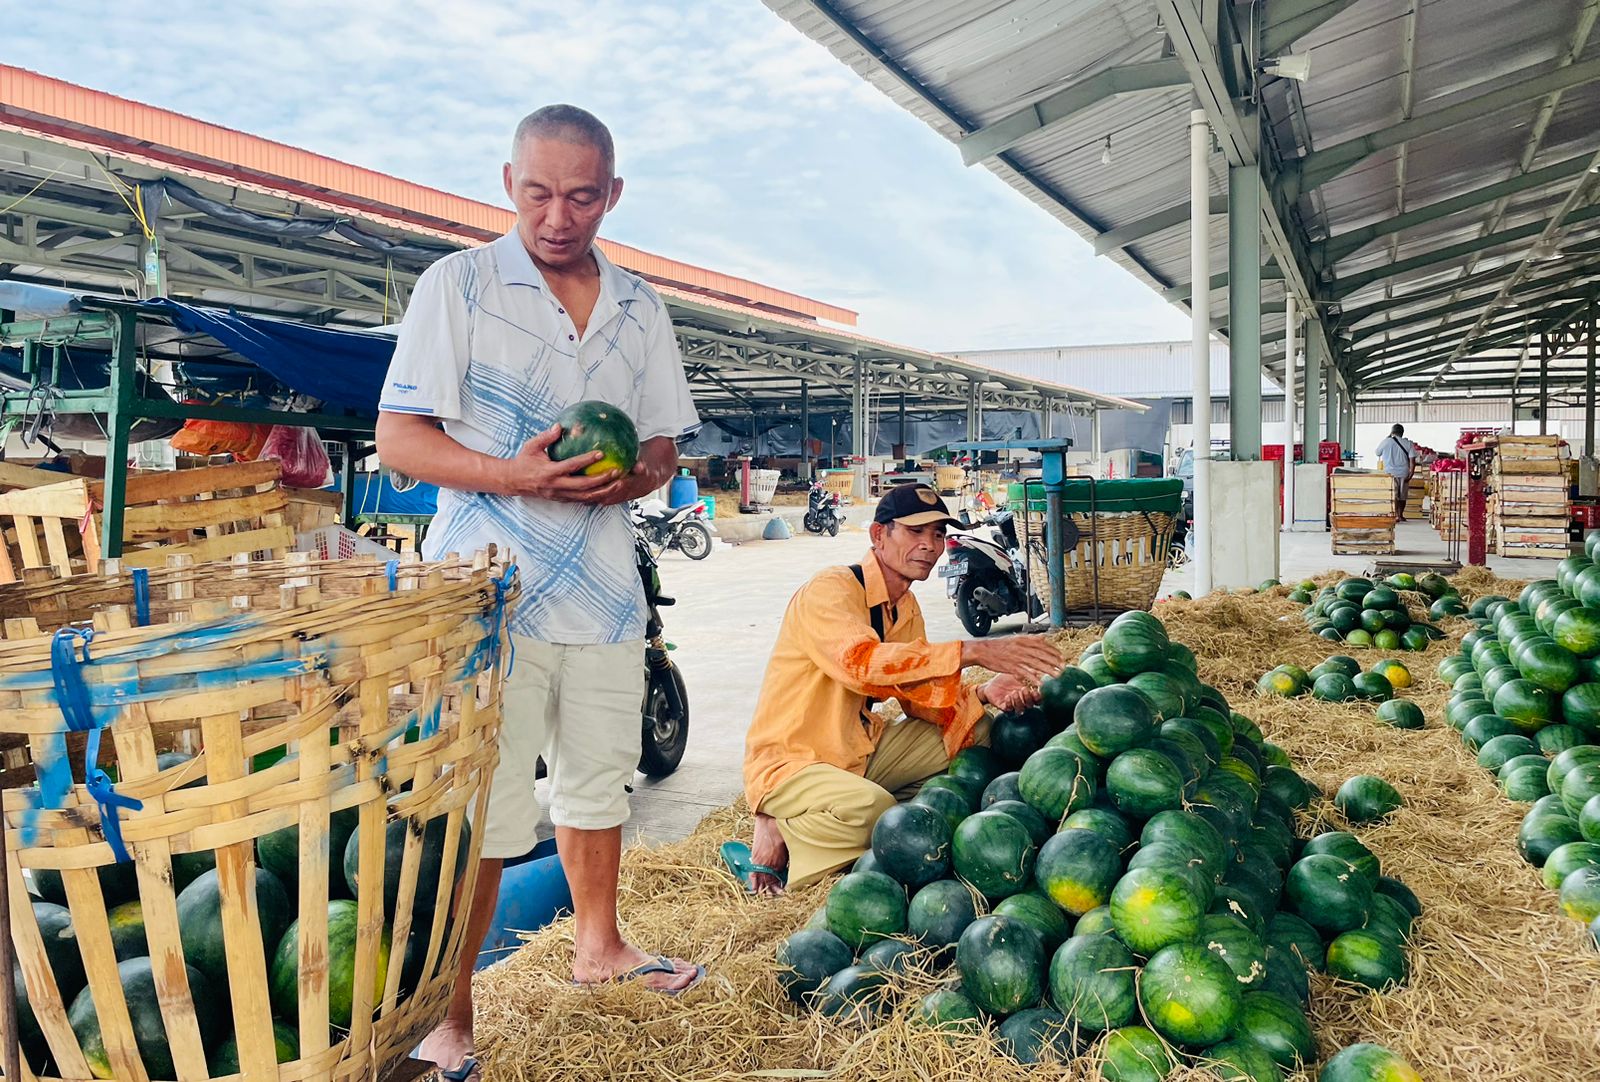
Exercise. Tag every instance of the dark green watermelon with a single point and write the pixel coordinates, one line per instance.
(948, 1010)
(1039, 830)
(1366, 798)
(807, 958)
(912, 844)
(1055, 781)
(1001, 962)
(1135, 642)
(1002, 787)
(1036, 1035)
(1039, 913)
(1135, 1054)
(1143, 782)
(1152, 907)
(1541, 835)
(1014, 737)
(1111, 825)
(994, 852)
(1296, 938)
(1189, 995)
(1110, 720)
(1367, 958)
(940, 912)
(863, 907)
(1327, 893)
(1059, 694)
(1092, 982)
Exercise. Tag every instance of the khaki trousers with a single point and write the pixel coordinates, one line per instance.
(826, 814)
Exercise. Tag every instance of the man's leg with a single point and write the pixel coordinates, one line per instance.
(510, 830)
(594, 748)
(912, 752)
(825, 816)
(1400, 498)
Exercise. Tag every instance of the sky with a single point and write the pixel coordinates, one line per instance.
(745, 147)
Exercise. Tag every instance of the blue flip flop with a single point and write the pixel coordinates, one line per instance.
(658, 964)
(736, 855)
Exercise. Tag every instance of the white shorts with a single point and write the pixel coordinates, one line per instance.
(580, 707)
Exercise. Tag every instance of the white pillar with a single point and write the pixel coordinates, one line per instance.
(1291, 377)
(1200, 305)
(1096, 468)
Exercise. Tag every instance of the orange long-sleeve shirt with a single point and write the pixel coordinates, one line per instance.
(828, 662)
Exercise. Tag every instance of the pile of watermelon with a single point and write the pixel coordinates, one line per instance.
(1338, 679)
(1361, 612)
(1526, 700)
(1121, 866)
(199, 906)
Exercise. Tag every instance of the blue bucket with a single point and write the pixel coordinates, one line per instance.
(532, 894)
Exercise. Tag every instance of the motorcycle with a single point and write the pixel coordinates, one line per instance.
(683, 528)
(665, 711)
(666, 700)
(822, 510)
(985, 575)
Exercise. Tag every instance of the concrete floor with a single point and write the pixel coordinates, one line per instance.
(727, 616)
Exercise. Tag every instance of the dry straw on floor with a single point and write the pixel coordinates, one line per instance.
(1503, 988)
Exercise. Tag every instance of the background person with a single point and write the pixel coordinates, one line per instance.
(496, 342)
(1399, 457)
(820, 764)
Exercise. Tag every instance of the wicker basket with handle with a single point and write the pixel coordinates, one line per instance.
(1119, 538)
(306, 693)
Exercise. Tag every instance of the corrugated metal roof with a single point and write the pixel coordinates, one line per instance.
(1374, 64)
(31, 101)
(1133, 370)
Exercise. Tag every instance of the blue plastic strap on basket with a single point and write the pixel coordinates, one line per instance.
(141, 596)
(72, 696)
(393, 569)
(501, 585)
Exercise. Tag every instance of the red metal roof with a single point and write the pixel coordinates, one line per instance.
(65, 110)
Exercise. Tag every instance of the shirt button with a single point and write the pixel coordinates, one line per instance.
(571, 338)
(563, 311)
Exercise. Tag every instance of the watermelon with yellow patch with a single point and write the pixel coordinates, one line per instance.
(593, 425)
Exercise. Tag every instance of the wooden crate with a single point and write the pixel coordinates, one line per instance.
(1362, 512)
(302, 693)
(212, 513)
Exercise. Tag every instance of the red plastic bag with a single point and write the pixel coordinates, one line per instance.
(305, 461)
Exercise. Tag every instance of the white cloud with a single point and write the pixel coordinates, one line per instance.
(746, 147)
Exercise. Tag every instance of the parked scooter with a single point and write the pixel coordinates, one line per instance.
(683, 528)
(984, 573)
(666, 700)
(822, 510)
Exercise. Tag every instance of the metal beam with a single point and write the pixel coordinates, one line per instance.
(1344, 287)
(1530, 290)
(1328, 252)
(1350, 317)
(1290, 20)
(1444, 358)
(1062, 105)
(1321, 166)
(1150, 225)
(1271, 272)
(1554, 229)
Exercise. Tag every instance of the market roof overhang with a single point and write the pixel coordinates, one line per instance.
(1430, 189)
(69, 218)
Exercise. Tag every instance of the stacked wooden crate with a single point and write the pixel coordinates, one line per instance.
(1447, 491)
(1531, 509)
(1363, 512)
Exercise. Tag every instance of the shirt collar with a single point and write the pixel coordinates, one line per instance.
(872, 580)
(517, 267)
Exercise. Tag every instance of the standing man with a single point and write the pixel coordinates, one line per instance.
(497, 341)
(820, 765)
(1399, 457)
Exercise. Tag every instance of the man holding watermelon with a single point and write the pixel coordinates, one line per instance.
(541, 388)
(820, 764)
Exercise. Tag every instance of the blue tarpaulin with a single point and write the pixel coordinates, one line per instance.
(343, 368)
(376, 496)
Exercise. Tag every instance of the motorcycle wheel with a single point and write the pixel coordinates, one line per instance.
(974, 617)
(833, 526)
(665, 734)
(694, 541)
(811, 523)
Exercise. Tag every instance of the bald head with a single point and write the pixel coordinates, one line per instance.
(567, 124)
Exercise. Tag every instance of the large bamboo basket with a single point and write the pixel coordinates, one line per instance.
(1117, 564)
(378, 684)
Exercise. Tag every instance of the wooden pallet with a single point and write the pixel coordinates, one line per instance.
(213, 513)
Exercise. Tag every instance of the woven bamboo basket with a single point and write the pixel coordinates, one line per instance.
(347, 697)
(1117, 564)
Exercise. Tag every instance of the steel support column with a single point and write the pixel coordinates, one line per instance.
(1588, 390)
(1347, 419)
(805, 431)
(1313, 406)
(1333, 412)
(1244, 312)
(1291, 365)
(1094, 442)
(904, 451)
(1200, 340)
(1544, 382)
(858, 429)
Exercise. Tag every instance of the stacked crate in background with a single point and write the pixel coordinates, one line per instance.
(1529, 510)
(1363, 512)
(1447, 509)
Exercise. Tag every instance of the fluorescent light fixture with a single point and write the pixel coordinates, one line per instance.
(1105, 153)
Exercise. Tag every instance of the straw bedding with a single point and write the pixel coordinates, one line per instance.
(1502, 988)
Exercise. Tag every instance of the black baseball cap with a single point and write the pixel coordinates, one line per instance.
(913, 505)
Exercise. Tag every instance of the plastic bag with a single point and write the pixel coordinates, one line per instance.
(202, 437)
(305, 461)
